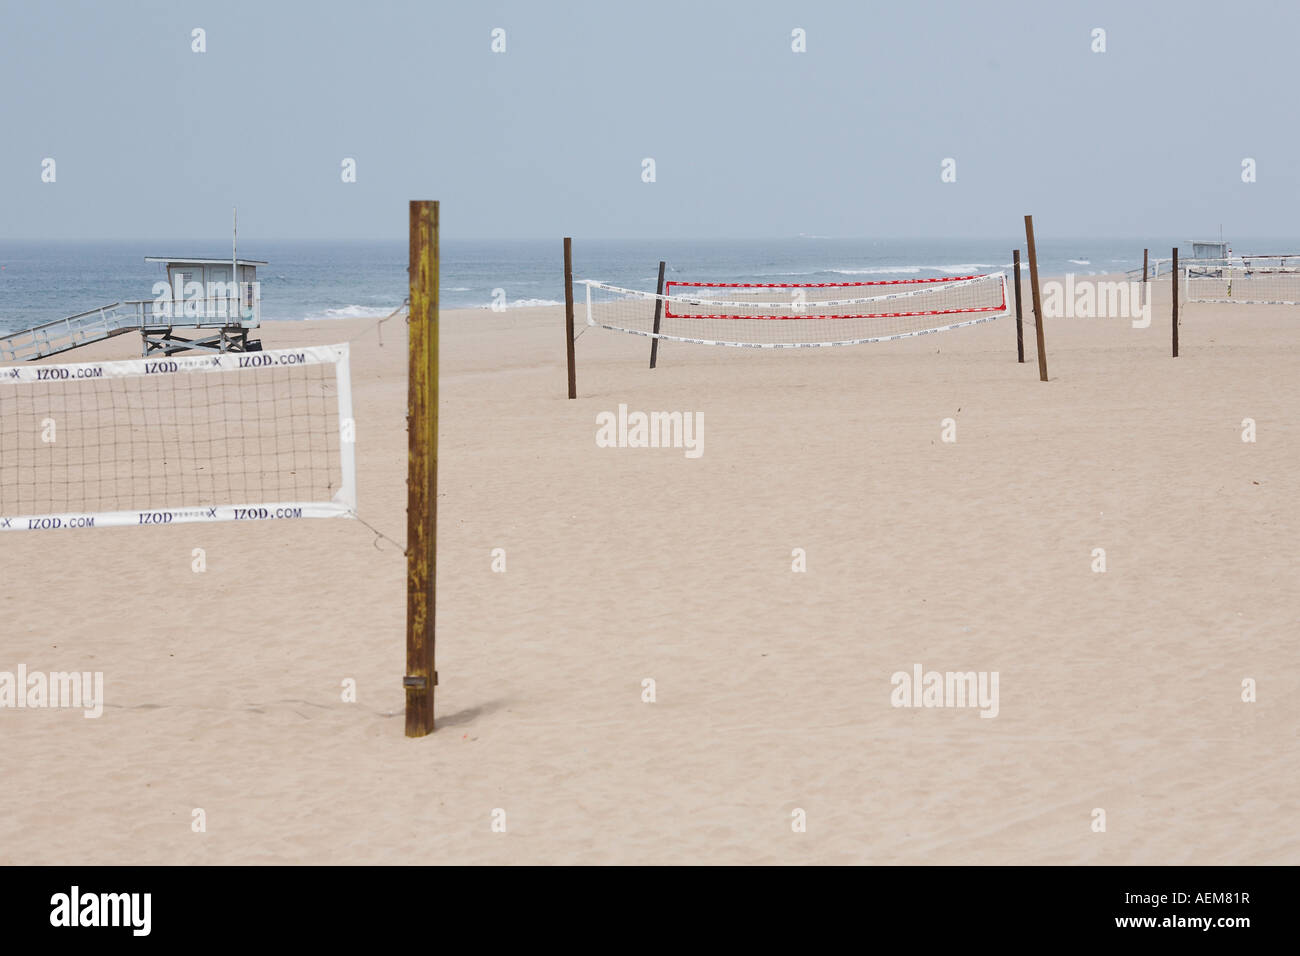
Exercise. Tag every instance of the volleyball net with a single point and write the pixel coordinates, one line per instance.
(230, 437)
(789, 315)
(1244, 283)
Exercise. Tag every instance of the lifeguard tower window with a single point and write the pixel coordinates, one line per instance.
(1213, 249)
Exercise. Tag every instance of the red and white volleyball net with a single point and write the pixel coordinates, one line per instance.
(786, 315)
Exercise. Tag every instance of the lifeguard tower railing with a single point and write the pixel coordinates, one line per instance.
(1203, 267)
(215, 324)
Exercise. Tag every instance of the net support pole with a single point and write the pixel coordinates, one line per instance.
(1144, 264)
(1174, 285)
(1020, 317)
(1037, 297)
(568, 316)
(422, 469)
(659, 308)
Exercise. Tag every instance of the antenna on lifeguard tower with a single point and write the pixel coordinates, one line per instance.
(234, 261)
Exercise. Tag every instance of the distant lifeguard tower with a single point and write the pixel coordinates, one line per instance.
(1208, 258)
(203, 305)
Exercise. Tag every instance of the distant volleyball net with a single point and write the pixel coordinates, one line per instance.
(1243, 283)
(239, 436)
(788, 315)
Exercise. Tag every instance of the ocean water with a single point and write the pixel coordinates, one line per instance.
(41, 281)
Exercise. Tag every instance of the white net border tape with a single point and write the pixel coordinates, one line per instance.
(806, 345)
(929, 289)
(130, 368)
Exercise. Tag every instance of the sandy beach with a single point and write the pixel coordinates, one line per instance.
(1119, 690)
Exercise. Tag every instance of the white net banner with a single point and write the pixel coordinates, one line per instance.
(240, 436)
(798, 315)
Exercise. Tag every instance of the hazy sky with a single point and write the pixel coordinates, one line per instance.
(152, 140)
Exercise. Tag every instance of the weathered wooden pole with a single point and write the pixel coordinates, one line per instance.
(1020, 319)
(1144, 265)
(568, 315)
(1174, 285)
(659, 308)
(1038, 300)
(422, 469)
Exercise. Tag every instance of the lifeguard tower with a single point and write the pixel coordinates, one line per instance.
(206, 304)
(1209, 256)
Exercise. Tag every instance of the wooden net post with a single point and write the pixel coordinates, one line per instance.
(1174, 284)
(422, 469)
(1038, 301)
(1020, 320)
(568, 316)
(659, 308)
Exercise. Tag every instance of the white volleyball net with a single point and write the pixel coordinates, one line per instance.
(785, 315)
(1245, 282)
(240, 436)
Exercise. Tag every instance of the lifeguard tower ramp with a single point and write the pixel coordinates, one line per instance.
(73, 332)
(202, 308)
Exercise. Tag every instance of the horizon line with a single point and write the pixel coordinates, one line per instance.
(785, 238)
